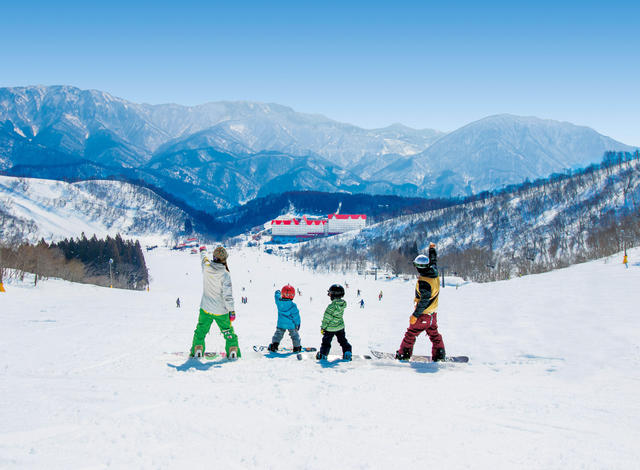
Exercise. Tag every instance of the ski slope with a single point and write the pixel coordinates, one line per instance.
(553, 380)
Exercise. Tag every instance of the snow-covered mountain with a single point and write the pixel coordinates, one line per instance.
(31, 209)
(218, 155)
(98, 126)
(500, 150)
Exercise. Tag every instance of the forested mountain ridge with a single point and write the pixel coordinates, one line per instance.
(533, 227)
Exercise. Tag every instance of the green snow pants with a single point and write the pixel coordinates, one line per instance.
(204, 325)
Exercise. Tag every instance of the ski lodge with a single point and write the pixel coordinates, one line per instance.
(292, 230)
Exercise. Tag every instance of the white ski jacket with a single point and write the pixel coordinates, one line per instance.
(217, 294)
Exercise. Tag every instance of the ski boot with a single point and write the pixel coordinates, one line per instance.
(198, 351)
(439, 356)
(297, 349)
(320, 356)
(273, 347)
(347, 355)
(233, 353)
(403, 355)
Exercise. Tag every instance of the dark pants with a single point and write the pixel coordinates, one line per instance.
(328, 337)
(428, 324)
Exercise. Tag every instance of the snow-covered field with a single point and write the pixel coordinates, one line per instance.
(553, 380)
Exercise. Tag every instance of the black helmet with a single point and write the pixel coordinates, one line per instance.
(336, 291)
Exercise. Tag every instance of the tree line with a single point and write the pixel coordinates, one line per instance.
(103, 262)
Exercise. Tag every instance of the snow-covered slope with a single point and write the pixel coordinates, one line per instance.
(552, 381)
(32, 208)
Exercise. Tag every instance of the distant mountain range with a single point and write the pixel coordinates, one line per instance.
(218, 155)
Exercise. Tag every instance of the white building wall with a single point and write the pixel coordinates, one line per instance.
(330, 225)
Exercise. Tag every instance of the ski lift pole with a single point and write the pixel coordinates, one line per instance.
(443, 268)
(111, 272)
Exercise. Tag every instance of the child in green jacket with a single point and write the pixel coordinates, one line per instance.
(333, 324)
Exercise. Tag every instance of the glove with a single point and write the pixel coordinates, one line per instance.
(321, 331)
(412, 320)
(232, 315)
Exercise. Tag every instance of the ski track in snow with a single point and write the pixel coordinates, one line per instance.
(87, 382)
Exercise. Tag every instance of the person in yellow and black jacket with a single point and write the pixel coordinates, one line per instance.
(425, 315)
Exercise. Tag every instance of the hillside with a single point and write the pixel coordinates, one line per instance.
(526, 228)
(558, 397)
(31, 209)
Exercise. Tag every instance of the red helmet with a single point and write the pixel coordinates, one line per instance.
(288, 292)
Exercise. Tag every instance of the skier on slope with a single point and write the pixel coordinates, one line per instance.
(216, 304)
(333, 324)
(424, 316)
(288, 319)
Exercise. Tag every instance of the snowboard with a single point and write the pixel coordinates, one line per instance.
(338, 358)
(265, 349)
(414, 358)
(208, 355)
(283, 352)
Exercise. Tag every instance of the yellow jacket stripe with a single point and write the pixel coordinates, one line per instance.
(427, 290)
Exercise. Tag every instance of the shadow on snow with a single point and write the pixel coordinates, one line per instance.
(196, 364)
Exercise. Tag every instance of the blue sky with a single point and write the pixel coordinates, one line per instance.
(423, 64)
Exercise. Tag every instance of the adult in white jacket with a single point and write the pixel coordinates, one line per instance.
(216, 304)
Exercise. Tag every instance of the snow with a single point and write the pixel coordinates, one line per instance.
(552, 381)
(61, 210)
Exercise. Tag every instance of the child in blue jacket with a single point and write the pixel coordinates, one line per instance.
(288, 319)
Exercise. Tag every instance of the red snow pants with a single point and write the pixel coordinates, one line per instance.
(429, 324)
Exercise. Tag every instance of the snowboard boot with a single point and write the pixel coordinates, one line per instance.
(233, 353)
(273, 347)
(197, 351)
(297, 349)
(320, 356)
(347, 356)
(439, 356)
(403, 355)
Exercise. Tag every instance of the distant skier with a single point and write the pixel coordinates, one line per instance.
(424, 316)
(380, 296)
(361, 303)
(288, 318)
(625, 261)
(333, 324)
(358, 292)
(178, 302)
(216, 304)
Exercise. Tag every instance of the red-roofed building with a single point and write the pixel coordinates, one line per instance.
(288, 230)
